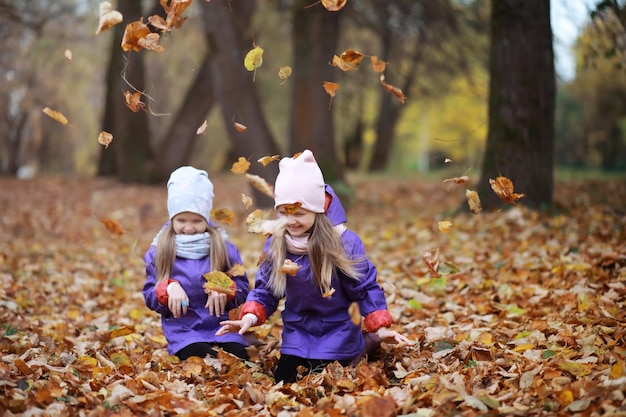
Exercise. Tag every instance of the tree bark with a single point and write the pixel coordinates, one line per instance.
(132, 156)
(235, 89)
(520, 142)
(315, 40)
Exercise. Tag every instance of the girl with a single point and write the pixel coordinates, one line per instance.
(333, 272)
(186, 248)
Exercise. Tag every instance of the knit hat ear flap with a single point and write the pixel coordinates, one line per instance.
(300, 180)
(189, 189)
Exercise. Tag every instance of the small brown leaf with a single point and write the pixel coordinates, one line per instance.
(331, 88)
(105, 138)
(289, 267)
(458, 180)
(473, 201)
(348, 61)
(378, 65)
(224, 215)
(133, 101)
(431, 259)
(260, 184)
(246, 200)
(58, 116)
(113, 226)
(108, 17)
(393, 90)
(268, 159)
(355, 313)
(334, 5)
(133, 32)
(503, 187)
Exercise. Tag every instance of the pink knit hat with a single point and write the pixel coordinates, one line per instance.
(300, 180)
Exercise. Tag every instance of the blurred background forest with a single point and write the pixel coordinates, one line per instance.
(437, 53)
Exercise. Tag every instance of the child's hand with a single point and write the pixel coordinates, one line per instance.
(177, 300)
(216, 303)
(247, 321)
(391, 336)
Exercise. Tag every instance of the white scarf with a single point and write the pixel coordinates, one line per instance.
(193, 246)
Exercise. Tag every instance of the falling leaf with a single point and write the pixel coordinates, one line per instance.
(108, 17)
(291, 208)
(202, 128)
(260, 184)
(328, 293)
(58, 116)
(355, 313)
(218, 281)
(473, 201)
(447, 161)
(503, 187)
(431, 259)
(378, 65)
(253, 59)
(458, 180)
(133, 101)
(284, 73)
(289, 267)
(105, 138)
(239, 127)
(444, 226)
(133, 32)
(246, 200)
(334, 5)
(238, 270)
(113, 226)
(241, 166)
(224, 215)
(266, 160)
(394, 90)
(256, 223)
(331, 88)
(68, 55)
(348, 60)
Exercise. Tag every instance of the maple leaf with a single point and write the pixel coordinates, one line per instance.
(224, 215)
(218, 281)
(348, 60)
(113, 226)
(260, 184)
(241, 166)
(393, 90)
(473, 201)
(58, 116)
(105, 138)
(289, 267)
(266, 160)
(503, 187)
(108, 17)
(133, 101)
(334, 5)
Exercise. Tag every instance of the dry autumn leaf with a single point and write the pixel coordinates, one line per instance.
(378, 65)
(246, 200)
(220, 282)
(289, 267)
(458, 180)
(256, 223)
(355, 313)
(329, 293)
(431, 260)
(237, 270)
(284, 72)
(224, 215)
(241, 166)
(503, 187)
(331, 88)
(113, 226)
(173, 12)
(240, 127)
(334, 5)
(444, 226)
(202, 128)
(108, 17)
(58, 116)
(393, 90)
(260, 184)
(133, 101)
(133, 32)
(266, 160)
(348, 60)
(68, 55)
(291, 208)
(473, 201)
(105, 138)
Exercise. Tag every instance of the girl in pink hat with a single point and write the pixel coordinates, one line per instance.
(333, 271)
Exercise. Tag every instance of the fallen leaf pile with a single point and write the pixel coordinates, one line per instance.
(514, 312)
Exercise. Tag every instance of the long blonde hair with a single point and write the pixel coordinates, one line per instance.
(166, 251)
(326, 255)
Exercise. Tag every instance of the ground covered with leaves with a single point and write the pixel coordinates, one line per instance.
(514, 312)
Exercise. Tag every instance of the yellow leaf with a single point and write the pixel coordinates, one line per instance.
(617, 370)
(523, 347)
(241, 166)
(565, 397)
(284, 73)
(122, 331)
(355, 313)
(253, 59)
(473, 201)
(224, 215)
(444, 226)
(55, 115)
(575, 368)
(105, 138)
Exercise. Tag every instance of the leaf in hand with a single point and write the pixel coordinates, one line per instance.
(218, 281)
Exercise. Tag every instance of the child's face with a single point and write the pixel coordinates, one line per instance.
(187, 223)
(299, 221)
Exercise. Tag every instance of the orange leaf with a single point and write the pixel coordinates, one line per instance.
(105, 138)
(224, 215)
(331, 88)
(239, 127)
(237, 270)
(378, 65)
(334, 5)
(355, 313)
(348, 61)
(133, 101)
(444, 226)
(289, 267)
(328, 293)
(113, 226)
(503, 187)
(473, 201)
(458, 180)
(292, 208)
(133, 32)
(394, 90)
(241, 166)
(58, 116)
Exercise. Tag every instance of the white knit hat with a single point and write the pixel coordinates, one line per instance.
(300, 180)
(189, 189)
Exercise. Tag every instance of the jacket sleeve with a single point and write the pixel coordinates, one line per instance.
(150, 285)
(242, 284)
(366, 290)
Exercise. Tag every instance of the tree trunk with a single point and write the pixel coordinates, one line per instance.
(520, 142)
(132, 160)
(175, 149)
(315, 40)
(235, 89)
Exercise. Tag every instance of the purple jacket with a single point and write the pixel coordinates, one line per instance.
(317, 327)
(197, 325)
